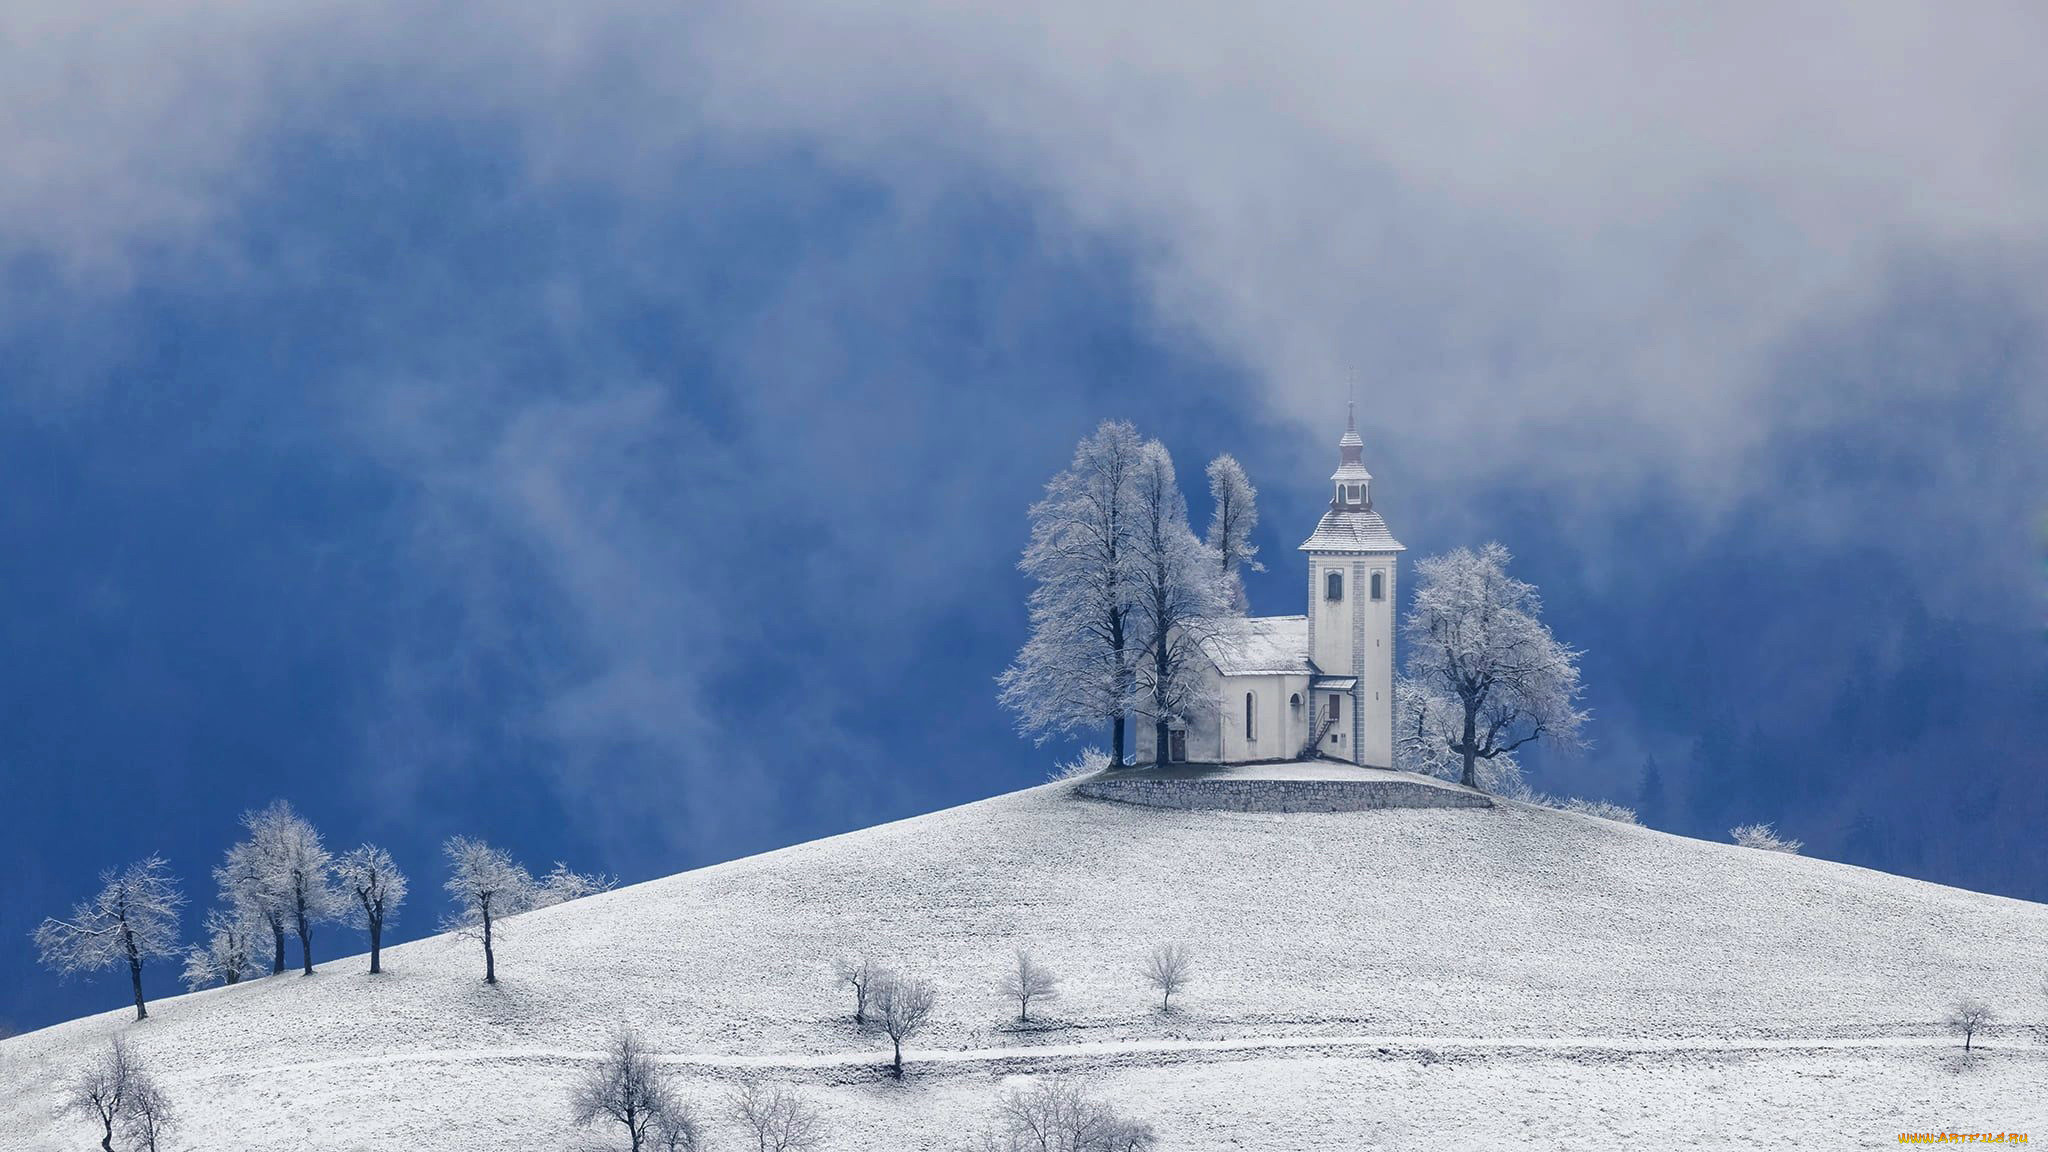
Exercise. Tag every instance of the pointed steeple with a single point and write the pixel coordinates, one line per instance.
(1353, 482)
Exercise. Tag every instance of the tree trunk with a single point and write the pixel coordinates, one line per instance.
(899, 1058)
(1470, 748)
(1116, 741)
(277, 944)
(305, 940)
(107, 1141)
(490, 961)
(1160, 737)
(376, 944)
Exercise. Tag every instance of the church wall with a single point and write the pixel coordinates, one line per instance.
(1354, 636)
(1279, 730)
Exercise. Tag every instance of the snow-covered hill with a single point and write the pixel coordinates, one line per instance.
(1506, 977)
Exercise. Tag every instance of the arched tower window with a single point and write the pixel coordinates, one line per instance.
(1333, 585)
(1251, 717)
(1379, 585)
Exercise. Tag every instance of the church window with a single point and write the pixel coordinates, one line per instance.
(1294, 701)
(1336, 706)
(1251, 718)
(1333, 585)
(1379, 586)
(1351, 493)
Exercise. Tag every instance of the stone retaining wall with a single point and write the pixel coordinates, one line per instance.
(1280, 795)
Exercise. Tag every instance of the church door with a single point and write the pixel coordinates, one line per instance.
(1177, 746)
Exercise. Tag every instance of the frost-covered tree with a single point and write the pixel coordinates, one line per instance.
(374, 888)
(858, 974)
(146, 1116)
(1076, 669)
(1764, 837)
(1179, 596)
(1967, 1018)
(282, 874)
(134, 918)
(487, 886)
(625, 1088)
(1027, 980)
(229, 955)
(1650, 797)
(1055, 1115)
(778, 1120)
(1484, 675)
(561, 885)
(1234, 505)
(904, 1006)
(1169, 968)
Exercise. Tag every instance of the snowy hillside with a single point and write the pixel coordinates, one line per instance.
(1504, 977)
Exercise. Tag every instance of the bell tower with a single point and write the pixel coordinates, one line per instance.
(1352, 563)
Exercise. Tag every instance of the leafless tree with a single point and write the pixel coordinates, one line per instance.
(1234, 505)
(1967, 1018)
(146, 1115)
(488, 885)
(677, 1128)
(1179, 597)
(561, 885)
(1169, 968)
(1056, 1116)
(229, 954)
(102, 1088)
(779, 1120)
(859, 974)
(624, 1088)
(904, 1004)
(133, 918)
(1027, 980)
(373, 885)
(284, 873)
(1765, 837)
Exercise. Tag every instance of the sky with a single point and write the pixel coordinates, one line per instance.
(607, 429)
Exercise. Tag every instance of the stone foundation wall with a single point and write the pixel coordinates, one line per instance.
(1280, 795)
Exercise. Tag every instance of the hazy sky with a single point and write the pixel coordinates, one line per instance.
(607, 428)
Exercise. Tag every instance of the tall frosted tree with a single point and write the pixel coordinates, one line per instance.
(1076, 669)
(1234, 505)
(133, 919)
(1180, 594)
(487, 886)
(373, 887)
(282, 875)
(1484, 676)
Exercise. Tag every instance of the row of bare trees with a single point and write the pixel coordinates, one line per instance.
(628, 1088)
(278, 881)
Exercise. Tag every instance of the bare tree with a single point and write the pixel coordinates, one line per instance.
(1484, 675)
(779, 1120)
(1026, 980)
(488, 885)
(904, 1004)
(1234, 512)
(229, 954)
(283, 873)
(133, 918)
(1076, 669)
(373, 885)
(1056, 1116)
(1179, 598)
(561, 885)
(101, 1089)
(624, 1088)
(1765, 837)
(677, 1127)
(858, 973)
(1967, 1018)
(146, 1115)
(1169, 968)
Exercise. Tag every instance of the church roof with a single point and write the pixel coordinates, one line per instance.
(1352, 530)
(1259, 646)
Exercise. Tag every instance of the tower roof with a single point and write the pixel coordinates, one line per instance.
(1351, 525)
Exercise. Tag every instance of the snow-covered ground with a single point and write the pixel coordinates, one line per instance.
(1471, 978)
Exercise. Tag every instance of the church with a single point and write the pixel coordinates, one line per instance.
(1315, 685)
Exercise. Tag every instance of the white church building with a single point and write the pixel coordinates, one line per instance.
(1320, 684)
